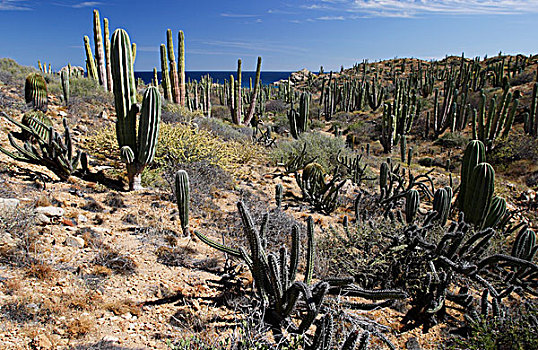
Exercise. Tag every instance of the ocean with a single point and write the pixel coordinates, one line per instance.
(266, 77)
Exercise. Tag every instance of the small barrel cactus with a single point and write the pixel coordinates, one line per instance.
(441, 204)
(35, 92)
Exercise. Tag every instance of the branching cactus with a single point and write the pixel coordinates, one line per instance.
(174, 80)
(139, 151)
(45, 146)
(35, 92)
(183, 198)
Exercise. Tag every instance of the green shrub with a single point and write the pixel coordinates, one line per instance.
(323, 147)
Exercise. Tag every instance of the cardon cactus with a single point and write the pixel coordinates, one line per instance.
(279, 190)
(65, 85)
(183, 198)
(412, 203)
(479, 194)
(525, 245)
(475, 153)
(35, 92)
(139, 151)
(441, 204)
(181, 67)
(99, 50)
(174, 80)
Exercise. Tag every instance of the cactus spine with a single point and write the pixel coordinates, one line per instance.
(99, 50)
(174, 82)
(35, 92)
(183, 198)
(138, 152)
(90, 62)
(167, 90)
(181, 63)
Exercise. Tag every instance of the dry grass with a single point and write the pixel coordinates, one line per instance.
(40, 270)
(121, 307)
(80, 326)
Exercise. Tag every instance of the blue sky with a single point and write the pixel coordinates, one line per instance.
(289, 35)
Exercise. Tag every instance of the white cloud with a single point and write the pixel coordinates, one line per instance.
(414, 8)
(86, 4)
(237, 15)
(331, 18)
(13, 5)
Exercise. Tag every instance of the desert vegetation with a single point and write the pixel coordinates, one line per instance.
(391, 204)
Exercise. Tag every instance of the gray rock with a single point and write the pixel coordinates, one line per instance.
(75, 242)
(50, 211)
(42, 219)
(9, 203)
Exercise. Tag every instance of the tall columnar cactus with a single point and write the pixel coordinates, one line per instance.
(299, 119)
(99, 50)
(183, 198)
(90, 62)
(531, 119)
(479, 194)
(133, 52)
(107, 55)
(388, 129)
(64, 75)
(181, 68)
(475, 153)
(167, 89)
(35, 92)
(412, 203)
(375, 96)
(496, 119)
(254, 93)
(174, 80)
(137, 152)
(238, 96)
(279, 191)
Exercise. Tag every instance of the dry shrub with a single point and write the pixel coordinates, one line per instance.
(40, 270)
(115, 261)
(80, 326)
(121, 307)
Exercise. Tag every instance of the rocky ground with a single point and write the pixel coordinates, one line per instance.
(87, 265)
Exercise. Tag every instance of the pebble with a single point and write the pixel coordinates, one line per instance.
(50, 211)
(110, 339)
(82, 218)
(76, 242)
(9, 203)
(42, 219)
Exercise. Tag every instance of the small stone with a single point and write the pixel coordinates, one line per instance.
(81, 218)
(51, 211)
(75, 242)
(42, 219)
(110, 339)
(103, 115)
(62, 114)
(9, 203)
(41, 342)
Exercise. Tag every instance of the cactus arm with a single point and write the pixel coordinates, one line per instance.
(148, 130)
(309, 250)
(231, 251)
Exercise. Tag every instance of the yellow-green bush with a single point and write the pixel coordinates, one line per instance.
(178, 143)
